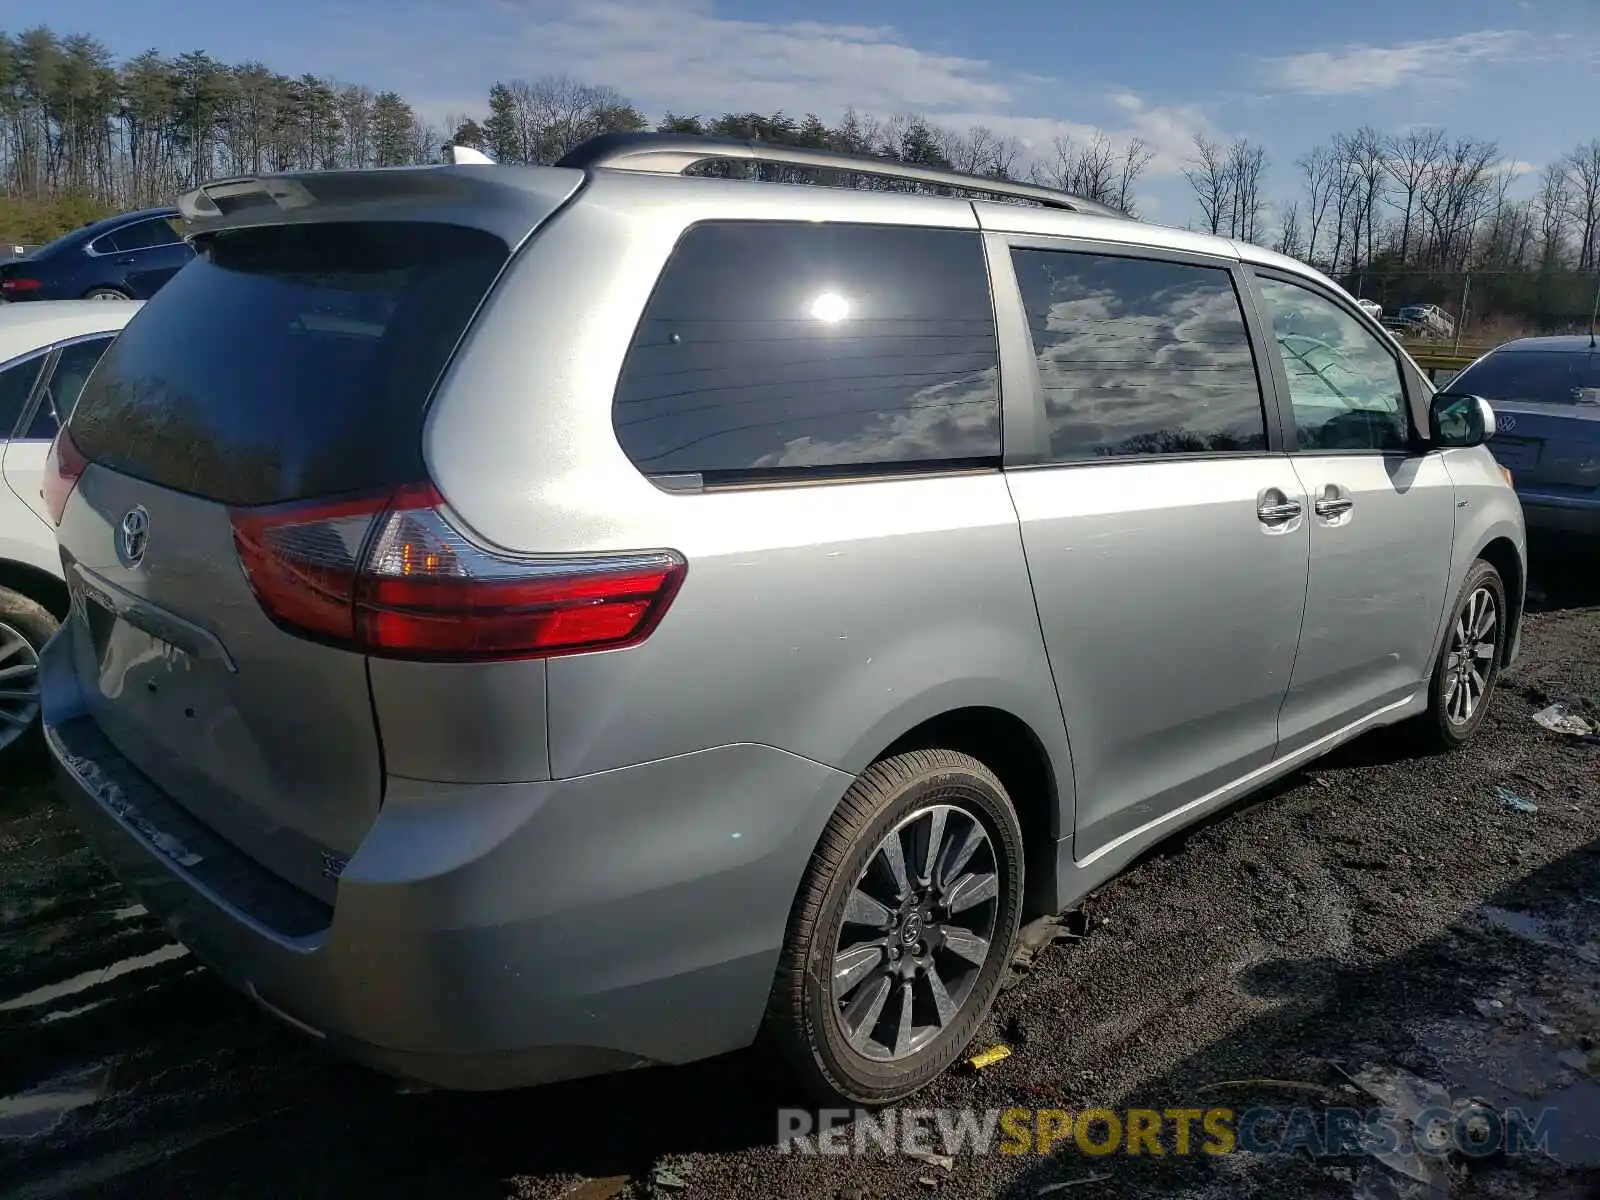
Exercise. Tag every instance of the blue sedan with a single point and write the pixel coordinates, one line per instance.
(1546, 397)
(126, 257)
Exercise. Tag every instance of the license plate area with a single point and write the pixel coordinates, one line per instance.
(151, 683)
(1516, 454)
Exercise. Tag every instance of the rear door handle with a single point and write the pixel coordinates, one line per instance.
(1274, 514)
(1334, 506)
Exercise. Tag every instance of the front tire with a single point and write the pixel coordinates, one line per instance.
(902, 930)
(25, 626)
(1469, 663)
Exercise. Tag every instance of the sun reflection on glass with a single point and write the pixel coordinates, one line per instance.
(830, 307)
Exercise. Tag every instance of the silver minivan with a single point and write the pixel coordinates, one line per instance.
(532, 622)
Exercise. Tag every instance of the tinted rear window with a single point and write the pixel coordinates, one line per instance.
(778, 350)
(1545, 376)
(289, 362)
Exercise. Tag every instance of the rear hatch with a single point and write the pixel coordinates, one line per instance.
(1549, 448)
(1547, 416)
(285, 371)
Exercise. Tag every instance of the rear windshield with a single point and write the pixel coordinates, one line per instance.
(289, 362)
(1544, 376)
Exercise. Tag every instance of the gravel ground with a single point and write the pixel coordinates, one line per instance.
(1378, 910)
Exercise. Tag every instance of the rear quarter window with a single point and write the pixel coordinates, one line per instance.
(16, 385)
(288, 362)
(772, 350)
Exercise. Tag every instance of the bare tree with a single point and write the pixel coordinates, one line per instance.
(1290, 237)
(1457, 194)
(1369, 167)
(1346, 201)
(1211, 180)
(1507, 238)
(1095, 169)
(1320, 171)
(1555, 208)
(1136, 159)
(1246, 164)
(1410, 159)
(980, 151)
(1583, 166)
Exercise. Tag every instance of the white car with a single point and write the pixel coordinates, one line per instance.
(47, 349)
(1372, 308)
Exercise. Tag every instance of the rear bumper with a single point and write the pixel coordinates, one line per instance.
(1561, 514)
(489, 936)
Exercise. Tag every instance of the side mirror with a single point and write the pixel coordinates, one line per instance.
(1457, 420)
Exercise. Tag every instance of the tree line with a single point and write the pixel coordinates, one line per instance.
(1423, 216)
(82, 135)
(1420, 216)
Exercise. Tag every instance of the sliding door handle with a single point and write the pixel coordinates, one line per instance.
(1334, 506)
(1273, 514)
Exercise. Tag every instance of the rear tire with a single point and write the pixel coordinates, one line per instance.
(106, 293)
(25, 626)
(941, 938)
(1469, 662)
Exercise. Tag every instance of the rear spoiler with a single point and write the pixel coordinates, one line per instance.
(508, 202)
(456, 155)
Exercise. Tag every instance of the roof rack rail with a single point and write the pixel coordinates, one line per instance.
(675, 153)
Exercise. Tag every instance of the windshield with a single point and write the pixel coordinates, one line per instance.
(1538, 375)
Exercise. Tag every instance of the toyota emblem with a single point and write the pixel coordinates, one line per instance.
(132, 536)
(1505, 422)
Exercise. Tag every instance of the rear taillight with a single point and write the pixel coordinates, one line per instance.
(63, 467)
(390, 576)
(17, 283)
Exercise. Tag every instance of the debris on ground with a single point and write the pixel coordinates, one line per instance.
(932, 1159)
(1289, 1084)
(599, 1189)
(989, 1057)
(1558, 718)
(1511, 800)
(1032, 939)
(1048, 1188)
(664, 1177)
(927, 1181)
(1409, 1096)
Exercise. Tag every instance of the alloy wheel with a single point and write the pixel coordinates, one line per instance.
(1474, 643)
(917, 930)
(19, 685)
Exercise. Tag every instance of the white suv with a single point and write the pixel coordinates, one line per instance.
(47, 350)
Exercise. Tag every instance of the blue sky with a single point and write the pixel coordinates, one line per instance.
(1524, 72)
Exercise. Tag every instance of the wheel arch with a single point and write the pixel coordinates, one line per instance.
(1014, 751)
(1501, 553)
(36, 584)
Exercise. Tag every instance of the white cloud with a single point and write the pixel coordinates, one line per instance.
(682, 56)
(1361, 68)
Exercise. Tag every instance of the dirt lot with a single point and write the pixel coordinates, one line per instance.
(1376, 911)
